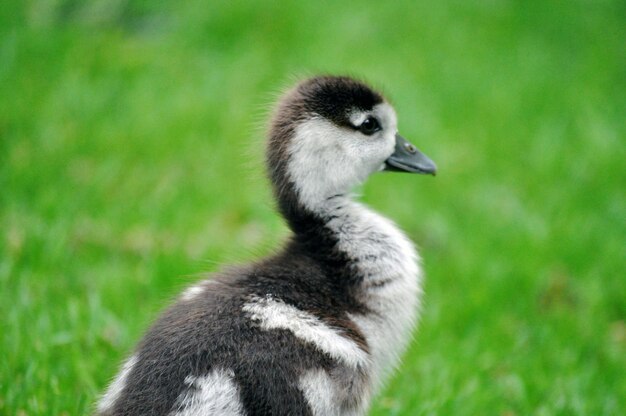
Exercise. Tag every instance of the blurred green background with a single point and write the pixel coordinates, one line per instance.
(131, 157)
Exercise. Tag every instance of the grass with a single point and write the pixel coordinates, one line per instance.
(130, 155)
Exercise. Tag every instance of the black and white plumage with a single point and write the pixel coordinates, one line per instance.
(315, 329)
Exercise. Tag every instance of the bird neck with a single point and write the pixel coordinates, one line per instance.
(315, 228)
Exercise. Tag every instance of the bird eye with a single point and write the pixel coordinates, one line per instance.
(369, 126)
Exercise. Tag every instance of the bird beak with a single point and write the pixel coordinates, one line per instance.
(406, 158)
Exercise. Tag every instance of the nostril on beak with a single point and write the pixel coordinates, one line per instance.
(410, 148)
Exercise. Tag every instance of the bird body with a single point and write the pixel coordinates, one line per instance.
(316, 328)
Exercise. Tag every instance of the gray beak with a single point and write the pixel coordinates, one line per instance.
(406, 158)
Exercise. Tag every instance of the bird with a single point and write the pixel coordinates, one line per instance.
(317, 327)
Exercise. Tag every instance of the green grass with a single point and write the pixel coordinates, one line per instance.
(130, 157)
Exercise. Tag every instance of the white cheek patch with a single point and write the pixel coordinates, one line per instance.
(327, 160)
(213, 394)
(323, 161)
(117, 386)
(273, 314)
